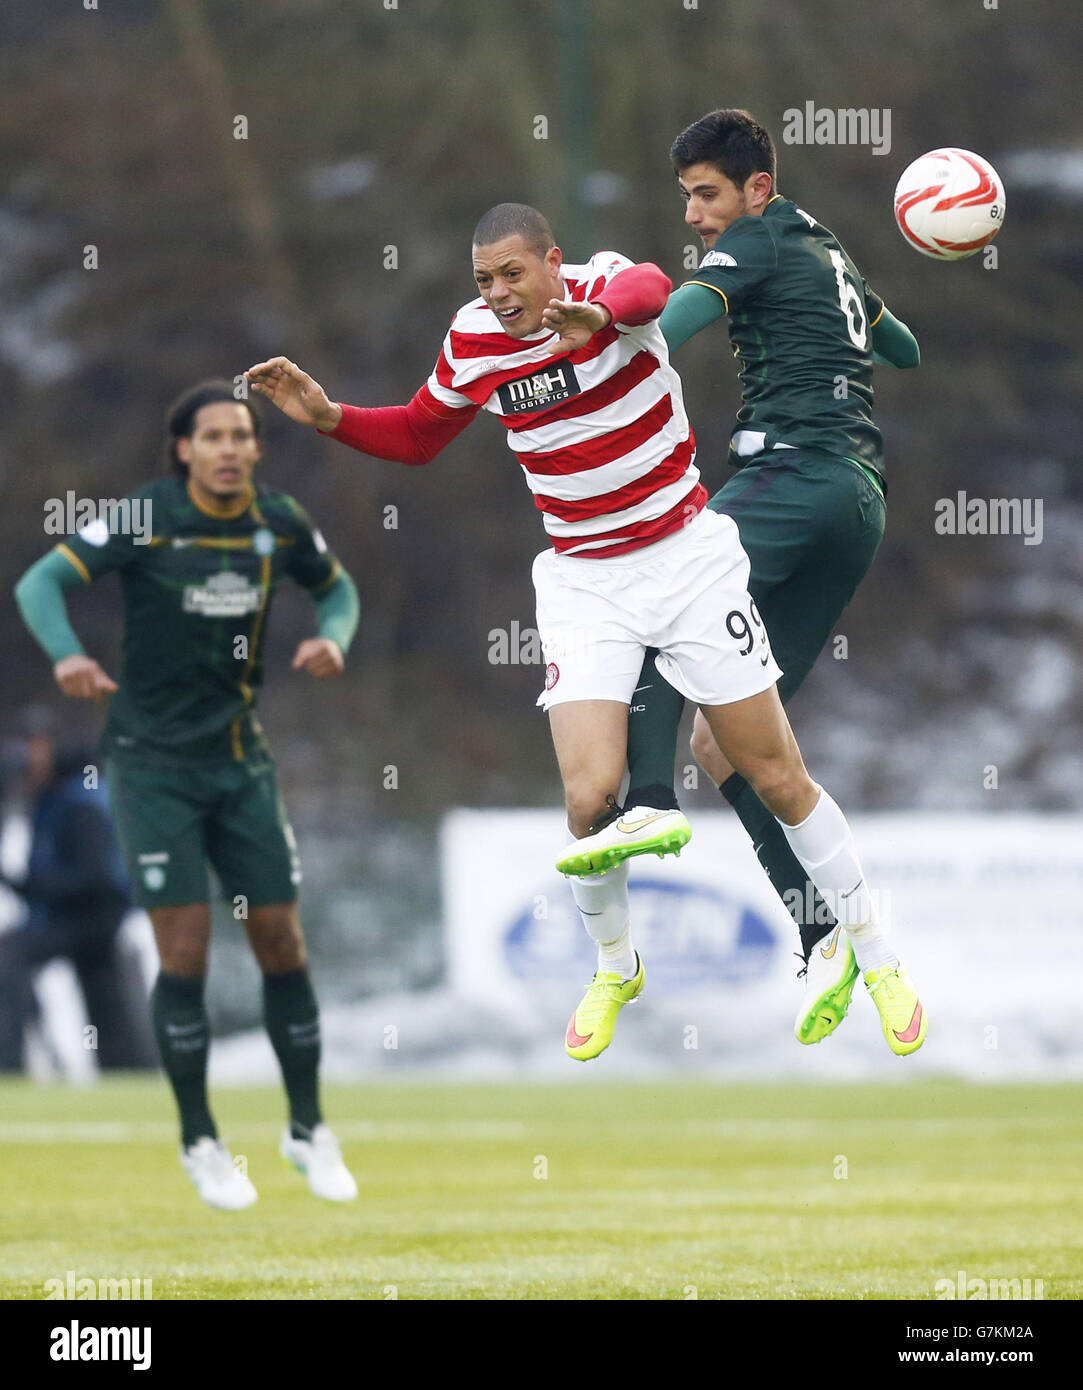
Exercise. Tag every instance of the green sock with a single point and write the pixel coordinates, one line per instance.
(788, 878)
(180, 1025)
(653, 721)
(292, 1018)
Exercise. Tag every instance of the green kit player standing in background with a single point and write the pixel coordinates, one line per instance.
(191, 773)
(808, 499)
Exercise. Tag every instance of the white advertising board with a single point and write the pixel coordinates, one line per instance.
(986, 912)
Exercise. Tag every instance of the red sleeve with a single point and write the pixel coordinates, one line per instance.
(412, 433)
(636, 295)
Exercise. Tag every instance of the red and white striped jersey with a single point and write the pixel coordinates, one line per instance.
(601, 433)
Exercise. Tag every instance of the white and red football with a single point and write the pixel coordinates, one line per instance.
(949, 204)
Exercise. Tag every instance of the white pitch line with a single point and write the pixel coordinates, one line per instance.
(80, 1131)
(492, 1131)
(148, 1131)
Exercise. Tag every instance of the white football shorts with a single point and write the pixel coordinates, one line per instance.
(687, 595)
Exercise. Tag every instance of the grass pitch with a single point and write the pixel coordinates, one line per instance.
(658, 1190)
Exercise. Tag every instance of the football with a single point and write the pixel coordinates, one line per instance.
(949, 204)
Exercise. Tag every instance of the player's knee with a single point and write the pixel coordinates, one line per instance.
(182, 935)
(281, 956)
(782, 784)
(276, 939)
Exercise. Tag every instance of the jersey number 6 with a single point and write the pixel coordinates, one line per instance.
(850, 303)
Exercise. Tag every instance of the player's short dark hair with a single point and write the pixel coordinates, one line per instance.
(180, 417)
(731, 141)
(515, 219)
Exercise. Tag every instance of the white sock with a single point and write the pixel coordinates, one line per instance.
(602, 900)
(825, 847)
(618, 955)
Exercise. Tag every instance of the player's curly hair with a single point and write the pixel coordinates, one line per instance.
(180, 417)
(730, 140)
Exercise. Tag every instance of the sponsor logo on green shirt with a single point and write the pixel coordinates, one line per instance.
(225, 595)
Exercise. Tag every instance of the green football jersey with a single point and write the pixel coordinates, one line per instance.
(801, 318)
(197, 595)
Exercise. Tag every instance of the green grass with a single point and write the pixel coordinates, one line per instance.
(650, 1190)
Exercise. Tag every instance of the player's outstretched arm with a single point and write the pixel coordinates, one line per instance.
(893, 343)
(295, 393)
(688, 311)
(405, 433)
(40, 597)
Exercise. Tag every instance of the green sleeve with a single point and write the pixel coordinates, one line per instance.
(688, 310)
(893, 343)
(40, 596)
(338, 611)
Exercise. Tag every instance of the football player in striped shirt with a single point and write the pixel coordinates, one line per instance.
(571, 360)
(808, 496)
(190, 770)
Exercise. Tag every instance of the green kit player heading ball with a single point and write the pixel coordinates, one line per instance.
(807, 497)
(191, 774)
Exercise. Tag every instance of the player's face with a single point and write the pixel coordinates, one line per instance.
(517, 283)
(221, 451)
(714, 201)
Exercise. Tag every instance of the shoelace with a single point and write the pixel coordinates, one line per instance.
(889, 982)
(598, 996)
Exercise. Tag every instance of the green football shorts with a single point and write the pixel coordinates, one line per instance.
(175, 819)
(810, 524)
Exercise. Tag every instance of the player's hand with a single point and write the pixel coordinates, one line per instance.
(295, 393)
(576, 323)
(320, 657)
(82, 677)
